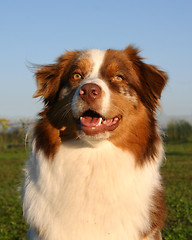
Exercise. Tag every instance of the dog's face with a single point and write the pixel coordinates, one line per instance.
(95, 94)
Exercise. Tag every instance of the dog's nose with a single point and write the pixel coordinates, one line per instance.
(90, 92)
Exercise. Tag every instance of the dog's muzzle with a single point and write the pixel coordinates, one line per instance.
(89, 103)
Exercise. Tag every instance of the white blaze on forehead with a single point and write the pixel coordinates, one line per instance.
(96, 57)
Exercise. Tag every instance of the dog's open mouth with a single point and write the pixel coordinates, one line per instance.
(93, 123)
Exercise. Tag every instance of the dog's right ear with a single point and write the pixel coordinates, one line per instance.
(48, 77)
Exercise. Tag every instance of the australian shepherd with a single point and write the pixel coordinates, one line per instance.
(93, 173)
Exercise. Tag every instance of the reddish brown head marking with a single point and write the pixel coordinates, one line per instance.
(133, 89)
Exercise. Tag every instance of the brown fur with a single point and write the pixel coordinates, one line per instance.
(47, 137)
(49, 77)
(152, 80)
(158, 214)
(140, 136)
(145, 82)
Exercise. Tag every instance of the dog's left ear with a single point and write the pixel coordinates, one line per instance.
(155, 78)
(152, 80)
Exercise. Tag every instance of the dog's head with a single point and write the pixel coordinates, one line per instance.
(97, 94)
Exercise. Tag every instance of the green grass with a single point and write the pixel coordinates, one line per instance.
(177, 175)
(12, 225)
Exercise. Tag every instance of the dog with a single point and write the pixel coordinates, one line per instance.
(94, 169)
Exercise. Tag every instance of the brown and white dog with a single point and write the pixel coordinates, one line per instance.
(93, 173)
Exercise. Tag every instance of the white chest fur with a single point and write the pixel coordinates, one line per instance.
(89, 193)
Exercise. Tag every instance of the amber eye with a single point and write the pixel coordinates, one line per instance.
(77, 76)
(118, 78)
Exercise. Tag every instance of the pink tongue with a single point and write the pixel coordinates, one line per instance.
(89, 121)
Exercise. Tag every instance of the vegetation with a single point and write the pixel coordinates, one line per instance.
(12, 226)
(13, 155)
(177, 176)
(13, 134)
(176, 173)
(179, 131)
(4, 123)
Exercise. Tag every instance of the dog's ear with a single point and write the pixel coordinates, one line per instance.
(155, 78)
(48, 77)
(48, 80)
(152, 80)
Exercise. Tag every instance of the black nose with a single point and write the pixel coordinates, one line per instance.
(90, 92)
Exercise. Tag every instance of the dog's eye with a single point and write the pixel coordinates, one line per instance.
(77, 76)
(118, 78)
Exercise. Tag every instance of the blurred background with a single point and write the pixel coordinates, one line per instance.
(39, 31)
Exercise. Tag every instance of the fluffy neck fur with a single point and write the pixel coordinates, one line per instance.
(90, 193)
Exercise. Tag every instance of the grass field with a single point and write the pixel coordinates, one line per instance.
(176, 171)
(11, 222)
(177, 174)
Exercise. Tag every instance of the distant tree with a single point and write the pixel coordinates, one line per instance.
(13, 134)
(4, 123)
(179, 131)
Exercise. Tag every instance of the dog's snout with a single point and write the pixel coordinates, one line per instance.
(90, 92)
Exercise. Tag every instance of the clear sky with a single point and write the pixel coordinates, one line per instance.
(38, 31)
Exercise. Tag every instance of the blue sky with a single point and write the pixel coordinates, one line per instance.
(39, 31)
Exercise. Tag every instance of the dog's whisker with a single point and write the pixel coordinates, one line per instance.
(65, 114)
(118, 108)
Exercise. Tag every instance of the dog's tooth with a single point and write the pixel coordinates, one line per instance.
(115, 119)
(109, 122)
(100, 121)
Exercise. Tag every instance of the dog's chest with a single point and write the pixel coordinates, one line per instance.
(93, 193)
